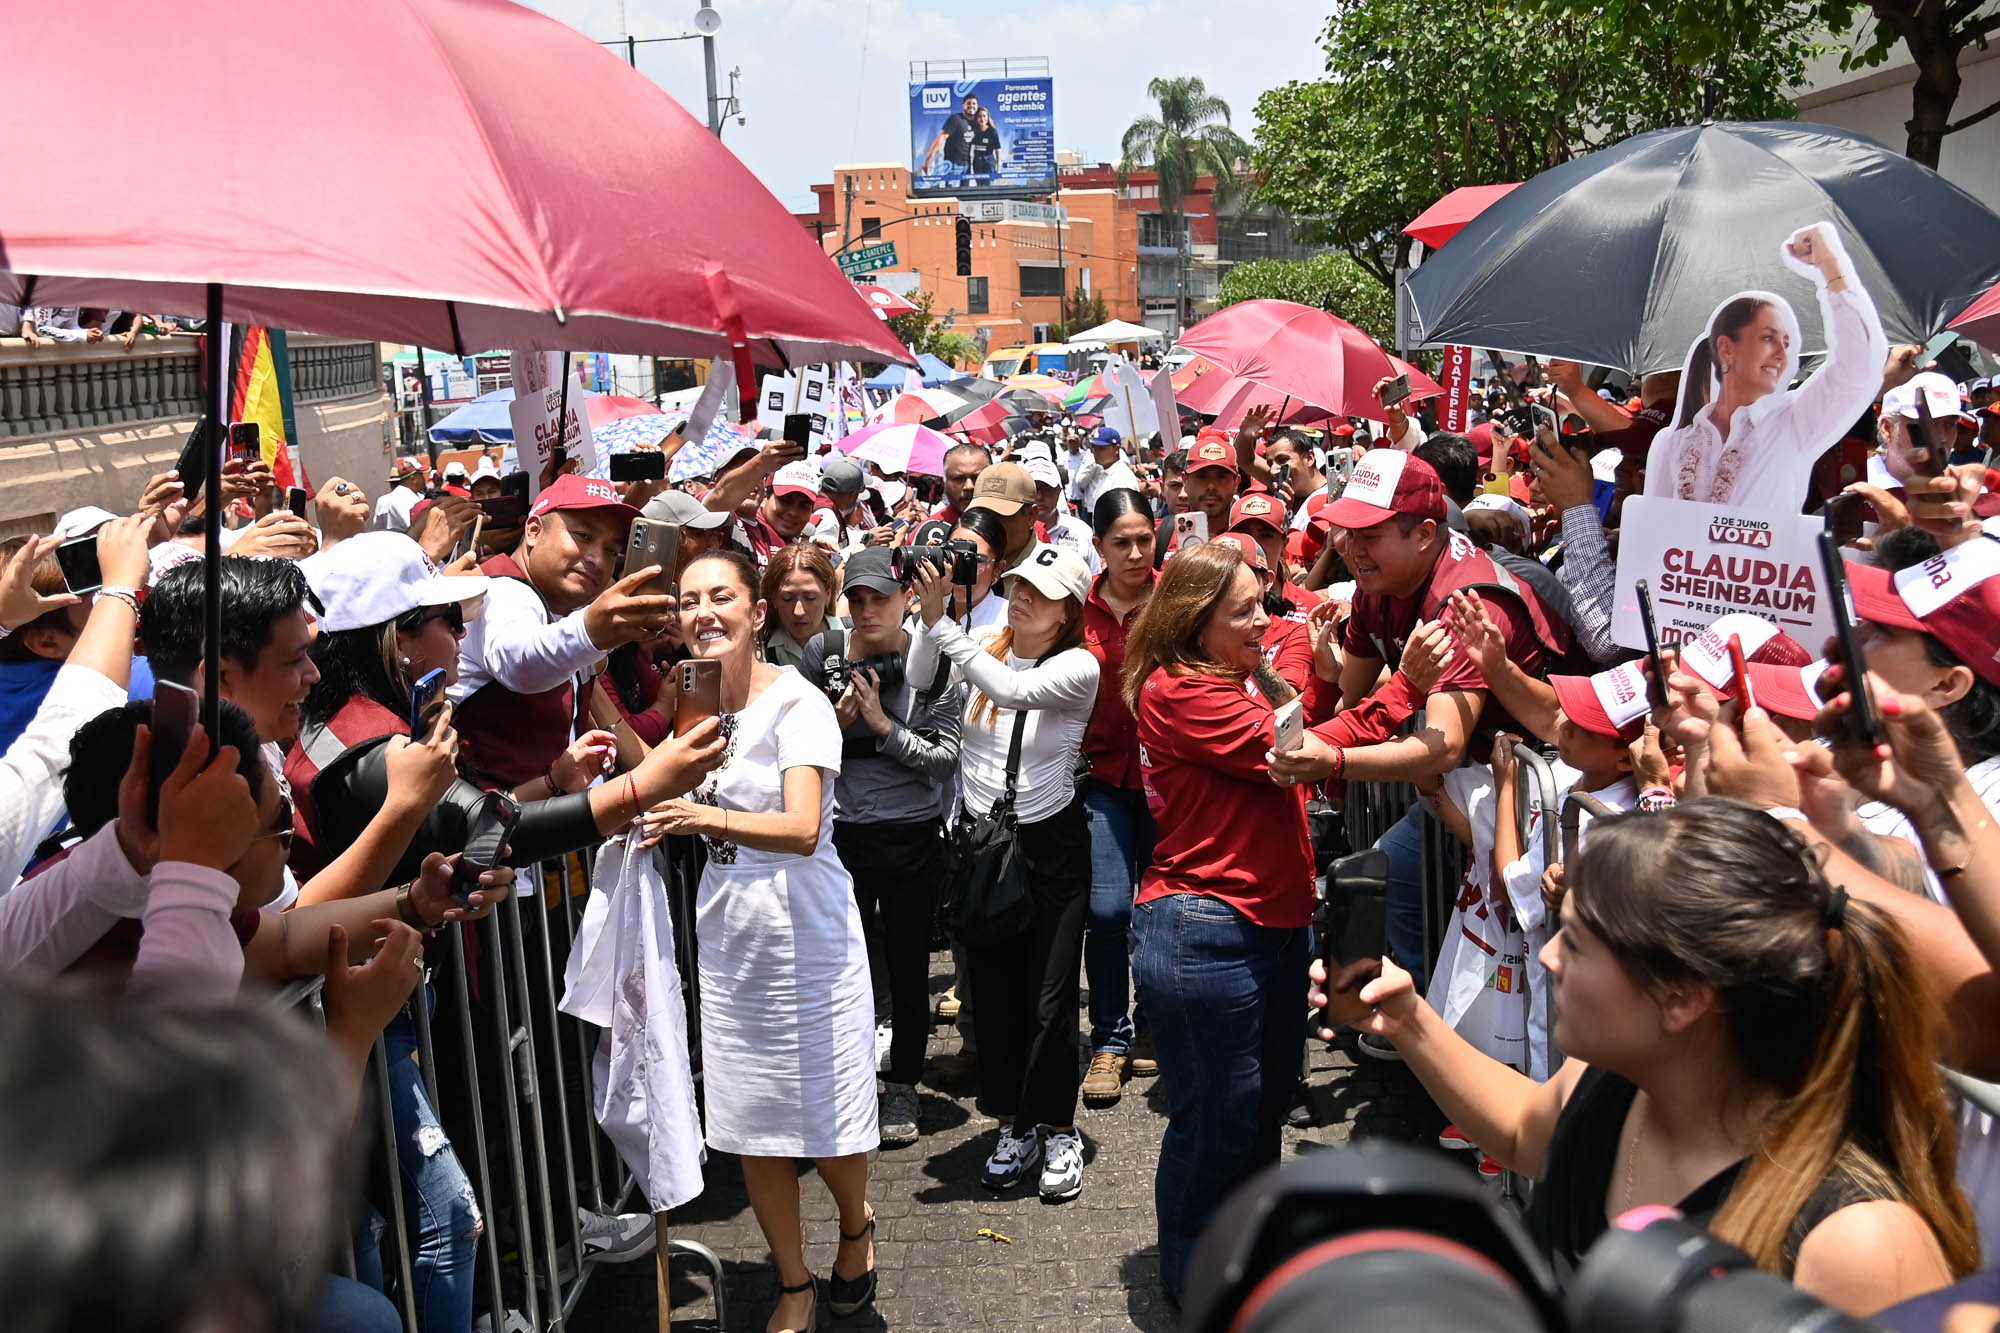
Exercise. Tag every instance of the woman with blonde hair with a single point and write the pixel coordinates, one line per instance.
(800, 587)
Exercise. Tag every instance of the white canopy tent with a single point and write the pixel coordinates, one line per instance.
(1119, 331)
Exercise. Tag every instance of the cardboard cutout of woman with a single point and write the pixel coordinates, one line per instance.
(1740, 437)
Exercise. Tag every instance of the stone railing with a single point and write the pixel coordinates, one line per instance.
(67, 389)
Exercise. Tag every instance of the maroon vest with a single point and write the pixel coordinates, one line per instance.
(359, 719)
(513, 738)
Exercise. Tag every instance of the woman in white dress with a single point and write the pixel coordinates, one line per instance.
(787, 1013)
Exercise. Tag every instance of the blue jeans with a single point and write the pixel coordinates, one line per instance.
(439, 1210)
(1121, 847)
(347, 1306)
(1226, 1001)
(1404, 842)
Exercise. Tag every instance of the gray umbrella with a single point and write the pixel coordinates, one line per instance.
(1618, 258)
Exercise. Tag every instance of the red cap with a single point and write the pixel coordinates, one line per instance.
(1482, 440)
(1954, 597)
(1610, 703)
(1214, 447)
(1387, 482)
(1253, 554)
(1260, 505)
(1344, 429)
(1302, 547)
(574, 491)
(1787, 690)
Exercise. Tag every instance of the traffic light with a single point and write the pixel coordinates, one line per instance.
(965, 247)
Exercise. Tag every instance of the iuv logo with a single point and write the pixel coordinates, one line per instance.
(938, 98)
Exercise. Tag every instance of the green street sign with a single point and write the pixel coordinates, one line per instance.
(867, 259)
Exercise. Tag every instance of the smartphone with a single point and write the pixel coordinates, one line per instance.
(1288, 727)
(1843, 515)
(639, 465)
(1281, 477)
(295, 500)
(504, 511)
(700, 694)
(1656, 683)
(798, 430)
(1936, 457)
(190, 465)
(652, 542)
(1737, 664)
(246, 442)
(1864, 724)
(1352, 920)
(426, 702)
(78, 558)
(175, 708)
(487, 834)
(1190, 528)
(1396, 390)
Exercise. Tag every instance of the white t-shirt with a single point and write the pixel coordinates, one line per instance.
(1060, 694)
(1886, 821)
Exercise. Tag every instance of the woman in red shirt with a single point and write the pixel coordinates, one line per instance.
(1121, 827)
(1220, 924)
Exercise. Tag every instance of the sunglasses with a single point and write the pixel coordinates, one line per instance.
(281, 826)
(452, 613)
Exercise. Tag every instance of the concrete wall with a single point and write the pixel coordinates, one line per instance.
(1876, 102)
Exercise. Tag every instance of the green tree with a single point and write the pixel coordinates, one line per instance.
(922, 331)
(1423, 98)
(1082, 310)
(1187, 139)
(1332, 282)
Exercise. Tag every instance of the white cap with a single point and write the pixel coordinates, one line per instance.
(1940, 395)
(1604, 464)
(1052, 572)
(455, 468)
(891, 491)
(799, 478)
(1042, 470)
(79, 521)
(1508, 505)
(373, 577)
(486, 468)
(1708, 655)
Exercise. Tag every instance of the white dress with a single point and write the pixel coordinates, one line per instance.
(787, 1009)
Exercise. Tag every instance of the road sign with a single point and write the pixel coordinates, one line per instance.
(1011, 210)
(867, 259)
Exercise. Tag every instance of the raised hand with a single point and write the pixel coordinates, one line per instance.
(19, 602)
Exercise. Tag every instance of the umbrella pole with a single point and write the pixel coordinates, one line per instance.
(559, 453)
(211, 464)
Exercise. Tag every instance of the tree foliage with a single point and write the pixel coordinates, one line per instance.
(1332, 282)
(1189, 137)
(1082, 309)
(1423, 98)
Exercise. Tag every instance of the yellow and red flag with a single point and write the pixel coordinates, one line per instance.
(258, 396)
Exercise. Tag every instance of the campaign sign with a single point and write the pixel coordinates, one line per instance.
(982, 137)
(538, 397)
(778, 396)
(1704, 561)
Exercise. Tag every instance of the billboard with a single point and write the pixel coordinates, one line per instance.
(974, 137)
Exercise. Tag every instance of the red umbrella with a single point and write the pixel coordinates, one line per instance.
(1981, 320)
(407, 170)
(884, 301)
(1297, 351)
(1422, 386)
(1442, 220)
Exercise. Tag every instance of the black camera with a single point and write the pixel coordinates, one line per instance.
(959, 558)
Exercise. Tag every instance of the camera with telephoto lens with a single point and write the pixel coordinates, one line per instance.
(887, 669)
(1388, 1238)
(959, 558)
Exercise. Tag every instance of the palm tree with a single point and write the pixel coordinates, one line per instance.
(1188, 139)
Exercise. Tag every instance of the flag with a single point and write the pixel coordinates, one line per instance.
(258, 396)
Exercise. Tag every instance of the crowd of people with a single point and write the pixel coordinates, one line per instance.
(1075, 706)
(57, 325)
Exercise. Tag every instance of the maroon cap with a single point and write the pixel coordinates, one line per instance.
(1253, 554)
(573, 491)
(1385, 483)
(1954, 597)
(1636, 440)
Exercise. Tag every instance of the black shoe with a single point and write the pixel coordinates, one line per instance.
(812, 1319)
(845, 1295)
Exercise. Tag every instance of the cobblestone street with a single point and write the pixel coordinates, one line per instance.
(1086, 1265)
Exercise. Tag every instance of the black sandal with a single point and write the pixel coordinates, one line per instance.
(810, 1284)
(846, 1295)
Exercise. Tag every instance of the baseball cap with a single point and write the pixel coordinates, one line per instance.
(1635, 440)
(455, 468)
(872, 568)
(1212, 448)
(374, 577)
(930, 532)
(1707, 655)
(1509, 506)
(1005, 488)
(1345, 430)
(1788, 691)
(1260, 505)
(404, 468)
(796, 479)
(1387, 482)
(77, 522)
(1940, 395)
(682, 508)
(1043, 471)
(1053, 572)
(1610, 703)
(574, 491)
(1253, 554)
(841, 476)
(1105, 436)
(1954, 597)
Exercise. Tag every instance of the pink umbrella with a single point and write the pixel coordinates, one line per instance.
(605, 408)
(917, 405)
(900, 446)
(1444, 219)
(1981, 320)
(884, 301)
(1297, 351)
(515, 238)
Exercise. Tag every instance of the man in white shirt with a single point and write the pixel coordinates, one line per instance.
(1066, 531)
(406, 487)
(1107, 469)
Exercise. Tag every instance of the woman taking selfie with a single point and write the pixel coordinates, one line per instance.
(1033, 680)
(1744, 1046)
(787, 1013)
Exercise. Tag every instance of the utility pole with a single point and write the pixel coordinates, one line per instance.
(708, 66)
(847, 214)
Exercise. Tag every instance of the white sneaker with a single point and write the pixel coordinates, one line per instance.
(884, 1034)
(1013, 1158)
(1062, 1166)
(515, 1322)
(617, 1238)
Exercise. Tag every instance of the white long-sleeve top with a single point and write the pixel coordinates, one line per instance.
(1060, 694)
(190, 953)
(31, 796)
(515, 643)
(48, 922)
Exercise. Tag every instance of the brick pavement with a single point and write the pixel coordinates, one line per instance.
(1087, 1265)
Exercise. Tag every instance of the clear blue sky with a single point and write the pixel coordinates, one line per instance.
(824, 81)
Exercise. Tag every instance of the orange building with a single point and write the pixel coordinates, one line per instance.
(1020, 268)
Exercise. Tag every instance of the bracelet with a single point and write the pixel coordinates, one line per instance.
(1663, 798)
(1339, 764)
(132, 597)
(406, 908)
(632, 794)
(550, 778)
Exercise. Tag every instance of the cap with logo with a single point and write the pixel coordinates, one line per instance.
(1043, 470)
(1253, 554)
(1786, 690)
(1053, 572)
(1610, 703)
(373, 577)
(573, 491)
(1385, 483)
(1940, 395)
(77, 522)
(1213, 447)
(682, 508)
(1261, 506)
(796, 479)
(1509, 506)
(1954, 597)
(1707, 654)
(873, 568)
(1005, 488)
(404, 468)
(1104, 437)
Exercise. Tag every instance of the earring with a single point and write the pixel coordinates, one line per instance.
(405, 661)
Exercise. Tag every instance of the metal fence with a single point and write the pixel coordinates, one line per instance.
(508, 1075)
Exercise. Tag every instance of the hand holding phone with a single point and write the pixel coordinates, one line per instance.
(295, 500)
(175, 708)
(78, 559)
(1396, 390)
(1864, 723)
(700, 696)
(639, 465)
(1737, 664)
(1190, 528)
(1288, 727)
(1352, 918)
(426, 702)
(246, 442)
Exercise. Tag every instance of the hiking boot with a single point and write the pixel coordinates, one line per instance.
(899, 1115)
(947, 1009)
(1105, 1083)
(1140, 1062)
